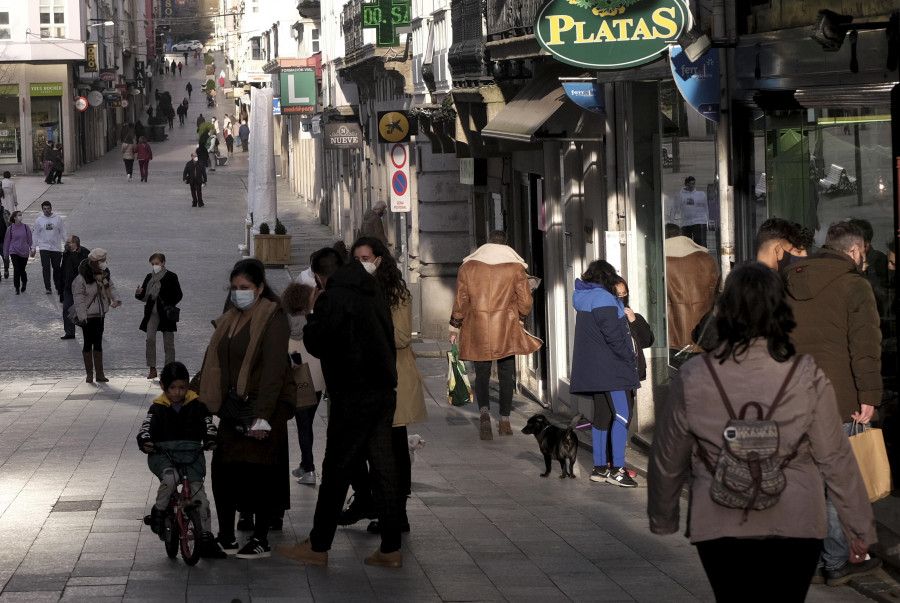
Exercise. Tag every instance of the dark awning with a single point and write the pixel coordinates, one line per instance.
(535, 103)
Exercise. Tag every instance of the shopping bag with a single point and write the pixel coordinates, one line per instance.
(871, 456)
(459, 392)
(306, 391)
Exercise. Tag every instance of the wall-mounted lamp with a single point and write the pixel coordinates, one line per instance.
(831, 28)
(694, 42)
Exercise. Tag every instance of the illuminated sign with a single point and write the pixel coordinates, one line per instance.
(385, 16)
(91, 58)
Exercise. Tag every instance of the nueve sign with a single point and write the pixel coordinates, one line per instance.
(578, 34)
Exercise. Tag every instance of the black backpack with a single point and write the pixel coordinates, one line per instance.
(747, 473)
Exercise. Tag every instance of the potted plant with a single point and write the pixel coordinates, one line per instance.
(273, 249)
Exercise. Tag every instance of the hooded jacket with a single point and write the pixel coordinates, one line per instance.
(173, 429)
(351, 331)
(50, 233)
(603, 357)
(493, 298)
(87, 297)
(838, 325)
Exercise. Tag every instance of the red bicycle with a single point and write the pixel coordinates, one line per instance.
(181, 525)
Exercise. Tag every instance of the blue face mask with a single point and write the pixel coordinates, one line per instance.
(243, 300)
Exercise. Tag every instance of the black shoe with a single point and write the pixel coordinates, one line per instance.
(620, 477)
(229, 548)
(23, 287)
(245, 522)
(375, 527)
(157, 519)
(209, 548)
(599, 474)
(277, 523)
(193, 205)
(852, 570)
(200, 204)
(67, 337)
(355, 511)
(255, 550)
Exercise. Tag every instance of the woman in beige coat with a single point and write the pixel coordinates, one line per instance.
(378, 262)
(754, 358)
(93, 294)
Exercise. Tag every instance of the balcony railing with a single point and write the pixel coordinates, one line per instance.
(511, 18)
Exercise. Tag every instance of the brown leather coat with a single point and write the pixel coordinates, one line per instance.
(691, 281)
(410, 398)
(491, 299)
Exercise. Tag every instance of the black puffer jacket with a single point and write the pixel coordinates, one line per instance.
(352, 333)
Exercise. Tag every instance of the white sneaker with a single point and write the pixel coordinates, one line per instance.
(129, 177)
(308, 478)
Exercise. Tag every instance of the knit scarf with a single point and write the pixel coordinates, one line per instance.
(154, 285)
(102, 280)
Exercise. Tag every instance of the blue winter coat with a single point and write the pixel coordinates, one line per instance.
(603, 359)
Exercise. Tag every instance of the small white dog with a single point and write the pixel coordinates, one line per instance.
(416, 442)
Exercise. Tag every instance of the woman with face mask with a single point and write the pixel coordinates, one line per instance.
(18, 246)
(160, 293)
(247, 366)
(379, 262)
(93, 294)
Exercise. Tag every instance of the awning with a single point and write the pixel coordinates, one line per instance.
(524, 115)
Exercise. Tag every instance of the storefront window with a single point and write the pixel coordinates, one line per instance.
(46, 125)
(10, 147)
(819, 166)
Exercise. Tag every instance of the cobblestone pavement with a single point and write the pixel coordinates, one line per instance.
(74, 487)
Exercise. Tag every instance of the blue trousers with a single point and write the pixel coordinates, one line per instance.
(615, 436)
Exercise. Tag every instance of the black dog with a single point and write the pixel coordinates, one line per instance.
(555, 442)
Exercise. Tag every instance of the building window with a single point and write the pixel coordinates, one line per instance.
(4, 24)
(53, 18)
(255, 50)
(314, 36)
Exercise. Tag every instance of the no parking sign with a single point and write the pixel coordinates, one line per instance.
(399, 158)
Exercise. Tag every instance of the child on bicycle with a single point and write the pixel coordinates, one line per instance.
(175, 420)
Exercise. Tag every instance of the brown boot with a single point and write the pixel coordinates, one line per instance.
(486, 432)
(88, 366)
(152, 374)
(504, 428)
(379, 559)
(302, 552)
(98, 366)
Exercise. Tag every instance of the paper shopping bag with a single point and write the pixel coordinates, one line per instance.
(459, 392)
(871, 456)
(306, 391)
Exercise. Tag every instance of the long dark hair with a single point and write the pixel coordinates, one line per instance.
(388, 277)
(601, 272)
(254, 271)
(753, 305)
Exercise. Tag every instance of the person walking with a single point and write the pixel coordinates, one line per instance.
(18, 247)
(49, 162)
(202, 152)
(68, 270)
(244, 133)
(144, 155)
(200, 120)
(492, 301)
(351, 331)
(167, 67)
(229, 138)
(185, 57)
(247, 360)
(174, 67)
(189, 88)
(93, 294)
(128, 156)
(379, 262)
(195, 176)
(50, 237)
(182, 113)
(9, 202)
(212, 151)
(604, 367)
(161, 293)
(59, 165)
(755, 362)
(838, 325)
(179, 68)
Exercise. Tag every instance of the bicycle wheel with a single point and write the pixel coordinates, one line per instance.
(170, 535)
(190, 537)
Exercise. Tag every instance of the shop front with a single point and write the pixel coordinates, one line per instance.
(46, 118)
(10, 128)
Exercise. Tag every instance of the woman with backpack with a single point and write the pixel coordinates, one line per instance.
(755, 369)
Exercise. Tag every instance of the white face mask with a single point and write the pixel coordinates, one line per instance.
(370, 267)
(102, 265)
(196, 159)
(156, 268)
(243, 299)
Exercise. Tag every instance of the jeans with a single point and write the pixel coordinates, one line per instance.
(167, 483)
(50, 260)
(835, 549)
(68, 325)
(20, 277)
(304, 418)
(695, 232)
(129, 166)
(144, 166)
(506, 369)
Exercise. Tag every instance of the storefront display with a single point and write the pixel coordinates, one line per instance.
(10, 147)
(46, 118)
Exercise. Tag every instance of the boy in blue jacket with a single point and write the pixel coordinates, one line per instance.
(175, 420)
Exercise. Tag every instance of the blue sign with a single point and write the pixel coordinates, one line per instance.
(587, 95)
(276, 106)
(399, 183)
(698, 81)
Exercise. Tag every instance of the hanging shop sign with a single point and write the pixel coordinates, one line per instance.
(343, 136)
(298, 90)
(91, 55)
(698, 81)
(385, 16)
(49, 89)
(393, 126)
(108, 75)
(587, 95)
(276, 106)
(81, 103)
(582, 33)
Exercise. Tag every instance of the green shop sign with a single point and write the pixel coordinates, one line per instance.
(385, 16)
(50, 89)
(588, 33)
